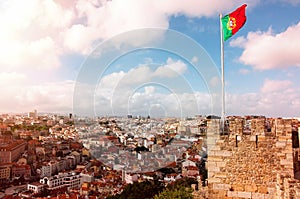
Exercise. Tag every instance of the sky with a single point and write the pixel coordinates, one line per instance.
(148, 57)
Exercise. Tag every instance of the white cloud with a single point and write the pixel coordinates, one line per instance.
(293, 2)
(244, 71)
(29, 35)
(215, 82)
(271, 104)
(111, 81)
(275, 85)
(194, 60)
(47, 96)
(59, 27)
(143, 74)
(9, 79)
(276, 98)
(149, 90)
(172, 104)
(35, 34)
(121, 92)
(171, 69)
(266, 50)
(84, 36)
(238, 42)
(195, 8)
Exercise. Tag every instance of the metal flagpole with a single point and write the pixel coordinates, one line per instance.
(223, 81)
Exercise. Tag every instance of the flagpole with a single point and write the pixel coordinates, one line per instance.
(223, 79)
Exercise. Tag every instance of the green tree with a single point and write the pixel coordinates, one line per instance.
(138, 190)
(179, 193)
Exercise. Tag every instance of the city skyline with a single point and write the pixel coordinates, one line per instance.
(44, 44)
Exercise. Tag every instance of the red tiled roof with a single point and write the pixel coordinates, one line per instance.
(191, 168)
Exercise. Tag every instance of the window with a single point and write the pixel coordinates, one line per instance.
(295, 139)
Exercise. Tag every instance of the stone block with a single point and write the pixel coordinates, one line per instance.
(214, 159)
(261, 138)
(221, 175)
(213, 180)
(243, 194)
(280, 144)
(252, 138)
(250, 188)
(262, 189)
(220, 141)
(269, 196)
(238, 187)
(258, 195)
(232, 194)
(211, 174)
(221, 164)
(213, 169)
(283, 138)
(289, 157)
(223, 153)
(211, 164)
(218, 186)
(286, 162)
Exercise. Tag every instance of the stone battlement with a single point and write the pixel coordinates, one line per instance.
(246, 162)
(262, 126)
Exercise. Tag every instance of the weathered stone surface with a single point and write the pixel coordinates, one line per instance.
(214, 169)
(262, 189)
(251, 188)
(280, 144)
(214, 180)
(223, 153)
(217, 186)
(238, 187)
(285, 162)
(250, 169)
(221, 175)
(242, 194)
(220, 164)
(258, 196)
(232, 194)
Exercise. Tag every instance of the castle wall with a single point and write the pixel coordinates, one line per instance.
(246, 164)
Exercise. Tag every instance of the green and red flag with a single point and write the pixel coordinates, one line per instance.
(234, 21)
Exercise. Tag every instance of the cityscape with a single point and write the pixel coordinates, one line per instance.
(50, 155)
(149, 99)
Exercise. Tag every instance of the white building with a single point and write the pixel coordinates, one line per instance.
(188, 163)
(77, 156)
(69, 180)
(87, 177)
(130, 178)
(48, 169)
(35, 187)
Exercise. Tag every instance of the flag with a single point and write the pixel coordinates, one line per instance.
(234, 21)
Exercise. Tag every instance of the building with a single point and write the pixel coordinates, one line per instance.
(130, 178)
(69, 180)
(11, 150)
(5, 171)
(19, 170)
(33, 114)
(36, 187)
(47, 169)
(87, 177)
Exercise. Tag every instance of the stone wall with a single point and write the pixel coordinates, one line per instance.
(256, 164)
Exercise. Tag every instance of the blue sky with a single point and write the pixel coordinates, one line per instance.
(45, 44)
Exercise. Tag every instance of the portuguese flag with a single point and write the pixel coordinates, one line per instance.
(232, 22)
